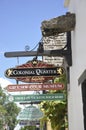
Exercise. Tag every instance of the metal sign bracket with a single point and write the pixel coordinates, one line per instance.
(64, 52)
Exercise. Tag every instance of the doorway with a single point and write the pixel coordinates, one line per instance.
(84, 101)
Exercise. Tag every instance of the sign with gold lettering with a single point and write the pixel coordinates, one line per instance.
(34, 71)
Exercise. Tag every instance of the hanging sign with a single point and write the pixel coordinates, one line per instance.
(30, 113)
(34, 71)
(35, 97)
(34, 87)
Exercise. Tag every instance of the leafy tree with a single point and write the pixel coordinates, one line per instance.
(8, 112)
(12, 112)
(2, 96)
(56, 111)
(2, 109)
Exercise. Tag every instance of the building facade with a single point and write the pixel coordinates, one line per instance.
(77, 70)
(77, 85)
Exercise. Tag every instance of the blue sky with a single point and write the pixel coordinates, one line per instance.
(20, 22)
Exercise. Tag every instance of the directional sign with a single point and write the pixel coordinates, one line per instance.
(34, 71)
(34, 87)
(37, 97)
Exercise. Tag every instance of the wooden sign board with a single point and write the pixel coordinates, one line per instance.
(35, 97)
(34, 71)
(34, 87)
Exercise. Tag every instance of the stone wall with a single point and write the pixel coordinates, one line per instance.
(53, 43)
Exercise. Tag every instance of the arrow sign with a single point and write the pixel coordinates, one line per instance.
(39, 97)
(34, 87)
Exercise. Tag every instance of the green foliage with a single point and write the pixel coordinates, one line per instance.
(29, 128)
(56, 111)
(8, 112)
(2, 96)
(61, 79)
(11, 116)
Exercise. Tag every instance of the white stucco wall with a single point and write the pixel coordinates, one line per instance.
(75, 110)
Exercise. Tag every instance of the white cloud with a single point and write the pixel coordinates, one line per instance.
(4, 82)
